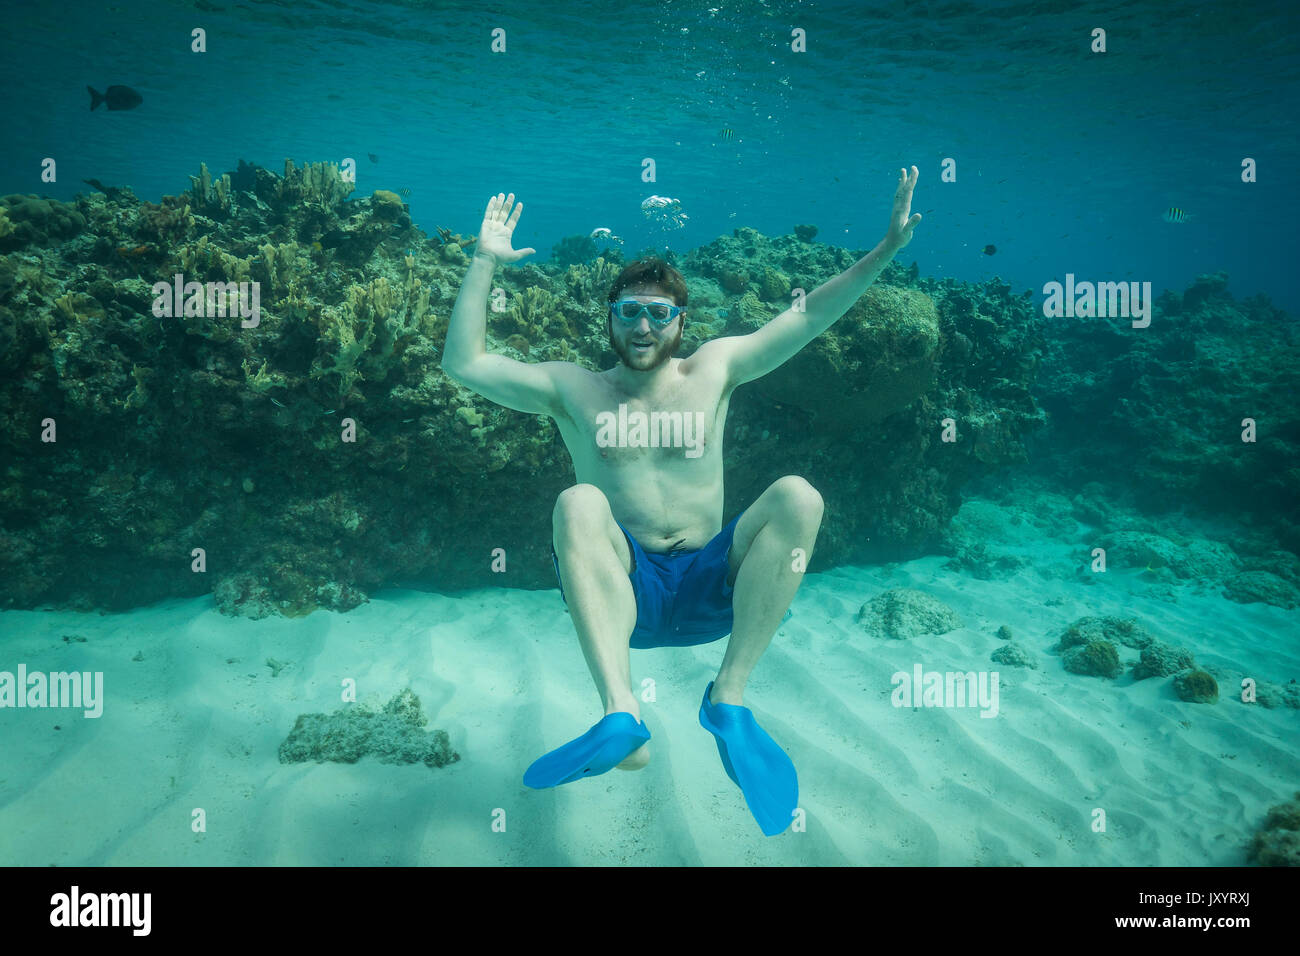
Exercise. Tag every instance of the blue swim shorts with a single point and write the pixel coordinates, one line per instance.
(682, 597)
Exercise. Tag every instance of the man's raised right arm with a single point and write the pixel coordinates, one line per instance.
(523, 386)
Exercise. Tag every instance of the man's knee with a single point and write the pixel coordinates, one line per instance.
(798, 498)
(579, 509)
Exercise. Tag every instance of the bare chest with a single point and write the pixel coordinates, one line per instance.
(676, 427)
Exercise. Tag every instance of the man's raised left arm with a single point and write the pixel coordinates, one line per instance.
(752, 356)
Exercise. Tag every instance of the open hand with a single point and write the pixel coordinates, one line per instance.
(900, 225)
(498, 226)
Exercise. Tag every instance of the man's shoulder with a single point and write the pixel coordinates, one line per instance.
(711, 358)
(574, 383)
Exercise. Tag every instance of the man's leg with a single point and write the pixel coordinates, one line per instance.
(786, 516)
(595, 561)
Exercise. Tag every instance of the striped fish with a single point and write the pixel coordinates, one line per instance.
(727, 135)
(1176, 215)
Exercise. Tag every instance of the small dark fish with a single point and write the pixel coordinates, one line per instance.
(373, 157)
(117, 98)
(1176, 215)
(989, 250)
(333, 239)
(112, 192)
(727, 135)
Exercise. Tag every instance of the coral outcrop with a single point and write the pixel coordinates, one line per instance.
(1088, 645)
(1277, 842)
(393, 734)
(1197, 687)
(901, 613)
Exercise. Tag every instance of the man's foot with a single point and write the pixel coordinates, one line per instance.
(719, 695)
(755, 763)
(637, 759)
(613, 740)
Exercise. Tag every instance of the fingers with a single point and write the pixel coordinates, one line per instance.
(498, 208)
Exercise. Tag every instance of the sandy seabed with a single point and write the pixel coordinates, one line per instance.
(194, 725)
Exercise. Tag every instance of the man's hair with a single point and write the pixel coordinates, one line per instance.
(650, 271)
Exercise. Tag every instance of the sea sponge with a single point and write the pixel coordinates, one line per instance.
(775, 284)
(165, 222)
(1096, 658)
(386, 205)
(735, 281)
(1197, 687)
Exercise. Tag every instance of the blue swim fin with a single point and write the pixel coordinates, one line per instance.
(755, 763)
(607, 744)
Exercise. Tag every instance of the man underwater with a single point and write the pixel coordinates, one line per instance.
(636, 545)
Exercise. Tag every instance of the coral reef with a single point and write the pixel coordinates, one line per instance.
(326, 454)
(1277, 841)
(393, 734)
(31, 220)
(876, 386)
(573, 249)
(1262, 586)
(901, 613)
(1169, 401)
(212, 199)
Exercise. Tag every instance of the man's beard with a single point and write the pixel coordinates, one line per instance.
(659, 352)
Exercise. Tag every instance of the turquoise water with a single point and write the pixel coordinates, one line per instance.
(1038, 159)
(1065, 158)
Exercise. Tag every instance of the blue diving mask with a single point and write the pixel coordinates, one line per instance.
(629, 311)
